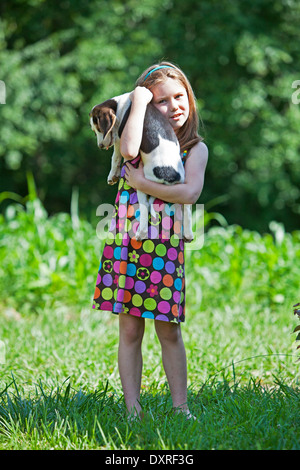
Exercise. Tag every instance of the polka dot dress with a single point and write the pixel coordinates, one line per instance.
(142, 278)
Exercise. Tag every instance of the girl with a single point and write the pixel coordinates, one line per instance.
(145, 279)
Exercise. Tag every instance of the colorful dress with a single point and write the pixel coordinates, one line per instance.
(143, 278)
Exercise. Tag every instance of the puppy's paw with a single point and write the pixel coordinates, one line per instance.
(141, 234)
(112, 178)
(188, 237)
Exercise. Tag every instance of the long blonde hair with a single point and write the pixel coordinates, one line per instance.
(188, 134)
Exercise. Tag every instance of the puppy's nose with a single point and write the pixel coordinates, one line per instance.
(167, 173)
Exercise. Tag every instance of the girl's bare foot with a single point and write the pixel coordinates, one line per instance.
(185, 412)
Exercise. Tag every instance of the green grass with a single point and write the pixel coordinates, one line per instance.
(229, 417)
(59, 383)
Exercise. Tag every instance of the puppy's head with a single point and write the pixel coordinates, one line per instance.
(102, 120)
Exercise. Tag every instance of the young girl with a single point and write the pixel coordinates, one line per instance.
(146, 279)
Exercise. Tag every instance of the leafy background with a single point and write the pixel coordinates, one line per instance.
(241, 57)
(59, 384)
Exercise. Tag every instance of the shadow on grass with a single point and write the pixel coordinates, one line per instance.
(229, 416)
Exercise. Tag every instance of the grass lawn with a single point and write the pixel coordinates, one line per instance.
(59, 383)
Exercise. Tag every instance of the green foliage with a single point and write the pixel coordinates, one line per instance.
(250, 417)
(56, 67)
(241, 58)
(254, 268)
(43, 260)
(59, 383)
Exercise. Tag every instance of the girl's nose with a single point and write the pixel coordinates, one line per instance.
(173, 105)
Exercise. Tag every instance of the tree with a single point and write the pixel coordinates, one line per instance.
(57, 64)
(241, 57)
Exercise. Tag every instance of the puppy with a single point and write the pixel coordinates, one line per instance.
(159, 150)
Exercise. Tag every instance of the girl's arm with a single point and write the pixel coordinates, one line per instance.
(131, 137)
(185, 193)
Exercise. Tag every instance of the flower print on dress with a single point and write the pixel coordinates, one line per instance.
(152, 290)
(142, 274)
(179, 271)
(133, 257)
(154, 219)
(108, 266)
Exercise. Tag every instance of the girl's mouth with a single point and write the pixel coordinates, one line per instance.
(176, 116)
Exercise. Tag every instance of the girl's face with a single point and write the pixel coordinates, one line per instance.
(171, 99)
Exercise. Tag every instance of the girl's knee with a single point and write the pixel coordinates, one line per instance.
(131, 328)
(168, 332)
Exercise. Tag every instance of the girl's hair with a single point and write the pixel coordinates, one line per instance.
(188, 134)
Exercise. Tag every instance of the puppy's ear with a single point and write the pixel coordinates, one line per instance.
(106, 121)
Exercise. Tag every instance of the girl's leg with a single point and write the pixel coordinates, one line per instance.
(131, 332)
(174, 362)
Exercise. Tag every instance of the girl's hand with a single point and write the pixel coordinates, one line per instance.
(141, 95)
(134, 176)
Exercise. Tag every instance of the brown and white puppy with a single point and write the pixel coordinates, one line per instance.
(159, 150)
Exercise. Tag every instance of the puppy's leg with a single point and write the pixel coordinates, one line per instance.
(187, 223)
(152, 210)
(115, 169)
(142, 231)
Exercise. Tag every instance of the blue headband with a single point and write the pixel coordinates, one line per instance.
(157, 68)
